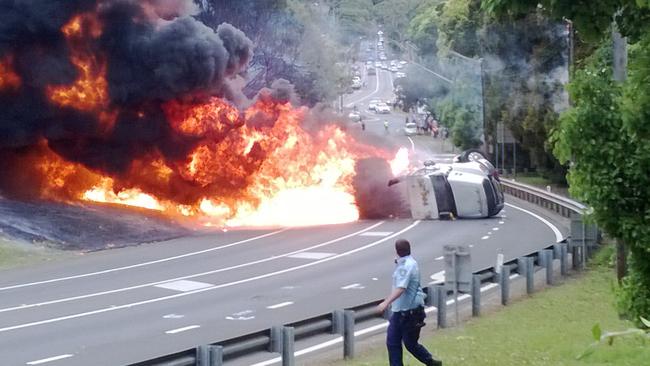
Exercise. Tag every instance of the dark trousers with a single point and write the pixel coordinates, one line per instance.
(405, 327)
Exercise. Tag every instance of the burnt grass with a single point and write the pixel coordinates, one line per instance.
(86, 227)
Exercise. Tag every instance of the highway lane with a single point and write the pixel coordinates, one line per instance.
(121, 306)
(135, 320)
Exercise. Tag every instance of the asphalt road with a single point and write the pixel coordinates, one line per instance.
(122, 306)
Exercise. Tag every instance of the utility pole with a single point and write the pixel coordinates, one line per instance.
(619, 45)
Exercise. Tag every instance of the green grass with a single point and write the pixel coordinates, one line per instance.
(16, 254)
(550, 328)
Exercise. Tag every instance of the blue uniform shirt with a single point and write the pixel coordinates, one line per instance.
(407, 276)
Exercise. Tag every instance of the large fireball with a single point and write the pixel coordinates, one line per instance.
(138, 116)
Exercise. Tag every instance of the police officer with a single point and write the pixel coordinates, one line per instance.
(407, 304)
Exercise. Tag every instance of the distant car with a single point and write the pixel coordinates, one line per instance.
(400, 75)
(380, 33)
(382, 108)
(377, 64)
(467, 188)
(356, 83)
(372, 71)
(392, 69)
(372, 105)
(403, 62)
(410, 129)
(354, 116)
(368, 63)
(382, 57)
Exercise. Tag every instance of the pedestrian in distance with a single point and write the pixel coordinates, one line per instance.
(386, 126)
(407, 305)
(363, 124)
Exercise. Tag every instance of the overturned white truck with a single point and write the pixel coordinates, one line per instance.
(467, 188)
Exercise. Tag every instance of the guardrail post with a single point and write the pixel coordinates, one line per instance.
(504, 282)
(476, 295)
(337, 322)
(557, 252)
(348, 334)
(548, 262)
(441, 304)
(541, 258)
(288, 338)
(216, 355)
(526, 267)
(202, 356)
(575, 257)
(564, 249)
(275, 339)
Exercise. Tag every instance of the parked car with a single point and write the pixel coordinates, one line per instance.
(410, 129)
(382, 108)
(467, 188)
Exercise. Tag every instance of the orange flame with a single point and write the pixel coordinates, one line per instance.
(8, 78)
(90, 91)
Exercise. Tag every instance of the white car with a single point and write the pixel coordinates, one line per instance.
(354, 116)
(372, 105)
(380, 33)
(469, 188)
(377, 64)
(410, 129)
(382, 108)
(400, 75)
(392, 69)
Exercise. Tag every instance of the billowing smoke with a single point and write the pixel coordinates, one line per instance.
(152, 52)
(107, 97)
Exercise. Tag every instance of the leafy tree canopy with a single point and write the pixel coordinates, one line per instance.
(591, 18)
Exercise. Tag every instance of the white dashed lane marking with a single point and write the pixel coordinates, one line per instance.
(485, 237)
(376, 233)
(280, 305)
(495, 228)
(354, 286)
(184, 285)
(501, 222)
(440, 258)
(311, 255)
(49, 359)
(184, 329)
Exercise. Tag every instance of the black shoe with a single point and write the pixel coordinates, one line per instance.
(434, 362)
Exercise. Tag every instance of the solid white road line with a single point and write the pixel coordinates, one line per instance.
(223, 285)
(280, 305)
(556, 231)
(49, 359)
(412, 143)
(376, 233)
(27, 306)
(59, 279)
(179, 330)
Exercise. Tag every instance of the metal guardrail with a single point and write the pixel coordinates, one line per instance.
(280, 339)
(565, 207)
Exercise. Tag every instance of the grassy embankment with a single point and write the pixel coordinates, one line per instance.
(550, 328)
(15, 253)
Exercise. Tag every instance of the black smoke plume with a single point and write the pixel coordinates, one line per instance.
(154, 52)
